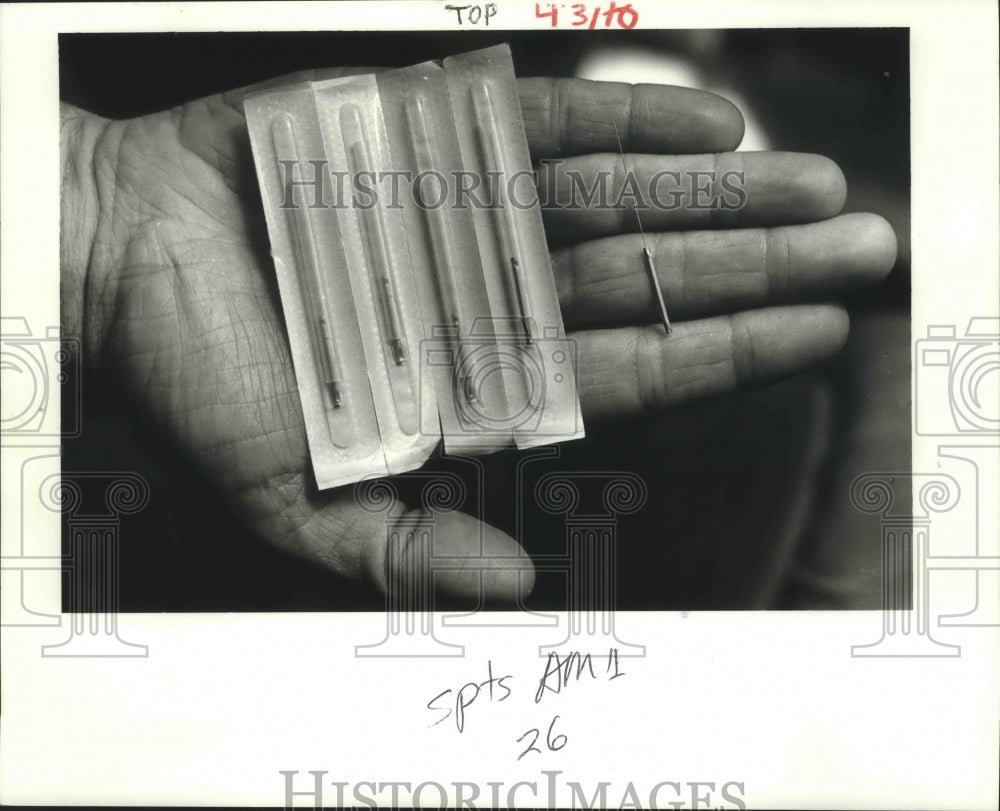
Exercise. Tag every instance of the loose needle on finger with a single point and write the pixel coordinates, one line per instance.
(647, 255)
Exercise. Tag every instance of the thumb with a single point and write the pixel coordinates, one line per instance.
(367, 534)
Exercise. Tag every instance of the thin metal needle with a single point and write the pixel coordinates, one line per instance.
(492, 152)
(647, 255)
(373, 233)
(307, 267)
(441, 245)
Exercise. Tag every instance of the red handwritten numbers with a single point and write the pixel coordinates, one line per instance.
(582, 16)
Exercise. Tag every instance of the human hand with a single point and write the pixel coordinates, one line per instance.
(167, 281)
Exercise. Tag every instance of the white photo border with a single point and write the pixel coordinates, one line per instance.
(220, 704)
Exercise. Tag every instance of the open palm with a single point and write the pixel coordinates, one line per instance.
(168, 282)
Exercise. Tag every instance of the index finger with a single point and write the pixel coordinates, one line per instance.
(574, 116)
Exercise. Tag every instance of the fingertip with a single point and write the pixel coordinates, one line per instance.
(778, 341)
(685, 120)
(836, 256)
(726, 120)
(833, 321)
(832, 184)
(792, 187)
(875, 239)
(508, 574)
(819, 330)
(822, 331)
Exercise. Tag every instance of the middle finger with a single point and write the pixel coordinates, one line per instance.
(593, 195)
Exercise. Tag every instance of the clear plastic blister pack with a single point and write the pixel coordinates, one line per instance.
(378, 269)
(412, 266)
(322, 322)
(458, 350)
(538, 362)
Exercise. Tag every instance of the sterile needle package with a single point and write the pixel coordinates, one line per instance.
(378, 269)
(412, 265)
(459, 349)
(316, 293)
(538, 362)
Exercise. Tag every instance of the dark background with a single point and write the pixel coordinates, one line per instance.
(748, 494)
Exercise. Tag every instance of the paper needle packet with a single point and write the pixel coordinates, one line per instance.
(419, 303)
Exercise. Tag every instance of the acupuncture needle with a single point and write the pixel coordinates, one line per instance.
(307, 263)
(441, 245)
(373, 229)
(647, 255)
(489, 136)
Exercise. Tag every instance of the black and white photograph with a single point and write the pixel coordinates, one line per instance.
(785, 376)
(580, 405)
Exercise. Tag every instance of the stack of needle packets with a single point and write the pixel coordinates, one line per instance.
(412, 264)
